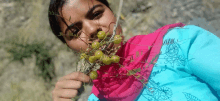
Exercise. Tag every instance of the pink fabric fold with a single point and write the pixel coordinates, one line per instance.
(144, 49)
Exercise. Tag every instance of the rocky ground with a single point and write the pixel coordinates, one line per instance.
(26, 22)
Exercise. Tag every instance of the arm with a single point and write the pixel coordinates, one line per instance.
(204, 52)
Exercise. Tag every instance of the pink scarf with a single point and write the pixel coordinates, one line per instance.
(113, 84)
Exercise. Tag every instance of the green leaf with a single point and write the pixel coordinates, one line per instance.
(137, 54)
(142, 80)
(137, 70)
(134, 71)
(61, 34)
(131, 72)
(145, 83)
(138, 76)
(70, 18)
(131, 59)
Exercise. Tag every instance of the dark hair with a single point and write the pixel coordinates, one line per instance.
(53, 18)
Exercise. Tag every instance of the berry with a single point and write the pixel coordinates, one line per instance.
(117, 39)
(95, 45)
(93, 75)
(106, 60)
(92, 59)
(103, 43)
(101, 35)
(98, 54)
(115, 58)
(83, 55)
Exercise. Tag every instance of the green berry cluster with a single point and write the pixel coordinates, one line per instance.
(94, 54)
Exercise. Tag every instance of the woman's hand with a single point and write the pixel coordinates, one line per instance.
(67, 86)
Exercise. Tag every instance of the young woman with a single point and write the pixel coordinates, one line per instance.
(177, 62)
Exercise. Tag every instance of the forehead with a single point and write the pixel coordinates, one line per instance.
(77, 4)
(77, 8)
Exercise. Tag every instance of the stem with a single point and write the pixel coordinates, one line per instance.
(114, 31)
(115, 26)
(136, 77)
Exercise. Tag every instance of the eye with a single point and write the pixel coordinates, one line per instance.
(97, 14)
(75, 30)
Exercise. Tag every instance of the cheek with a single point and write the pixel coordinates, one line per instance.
(76, 44)
(108, 20)
(110, 15)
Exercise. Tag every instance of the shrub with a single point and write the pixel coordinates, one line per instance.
(43, 57)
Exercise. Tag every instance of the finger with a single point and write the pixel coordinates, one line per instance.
(69, 84)
(76, 76)
(67, 93)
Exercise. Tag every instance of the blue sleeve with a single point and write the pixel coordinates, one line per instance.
(202, 50)
(92, 97)
(188, 68)
(204, 56)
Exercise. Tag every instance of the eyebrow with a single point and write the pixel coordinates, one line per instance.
(87, 15)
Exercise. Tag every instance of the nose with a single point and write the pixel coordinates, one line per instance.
(91, 28)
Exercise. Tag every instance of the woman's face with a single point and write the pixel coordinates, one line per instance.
(86, 18)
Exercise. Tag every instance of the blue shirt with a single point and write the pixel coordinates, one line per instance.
(188, 68)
